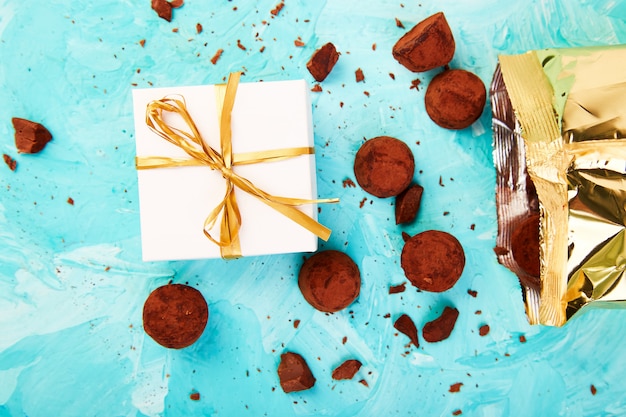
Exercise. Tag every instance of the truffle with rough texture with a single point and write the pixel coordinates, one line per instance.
(175, 315)
(384, 166)
(455, 99)
(294, 373)
(323, 61)
(330, 281)
(428, 45)
(433, 260)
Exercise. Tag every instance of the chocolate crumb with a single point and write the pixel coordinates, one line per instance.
(175, 30)
(472, 293)
(70, 201)
(296, 323)
(392, 75)
(262, 49)
(317, 88)
(483, 330)
(415, 84)
(362, 202)
(298, 43)
(195, 396)
(405, 325)
(399, 23)
(367, 93)
(142, 42)
(457, 412)
(163, 9)
(364, 382)
(473, 226)
(441, 181)
(11, 163)
(240, 46)
(217, 56)
(373, 47)
(30, 137)
(455, 387)
(198, 28)
(593, 389)
(395, 289)
(348, 183)
(347, 370)
(277, 9)
(344, 340)
(405, 236)
(522, 339)
(440, 328)
(359, 75)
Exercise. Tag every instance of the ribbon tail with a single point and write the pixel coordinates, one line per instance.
(299, 217)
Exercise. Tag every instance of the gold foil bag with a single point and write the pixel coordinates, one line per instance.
(559, 118)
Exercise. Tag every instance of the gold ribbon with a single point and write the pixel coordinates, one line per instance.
(202, 154)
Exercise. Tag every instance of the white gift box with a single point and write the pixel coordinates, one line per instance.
(175, 201)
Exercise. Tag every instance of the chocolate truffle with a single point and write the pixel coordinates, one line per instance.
(30, 137)
(347, 370)
(294, 373)
(384, 166)
(525, 245)
(408, 204)
(175, 315)
(440, 328)
(455, 99)
(323, 61)
(330, 281)
(428, 45)
(433, 260)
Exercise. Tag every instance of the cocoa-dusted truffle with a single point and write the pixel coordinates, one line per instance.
(330, 281)
(433, 260)
(175, 315)
(30, 137)
(384, 166)
(294, 373)
(408, 204)
(428, 45)
(525, 245)
(440, 328)
(323, 61)
(347, 370)
(455, 99)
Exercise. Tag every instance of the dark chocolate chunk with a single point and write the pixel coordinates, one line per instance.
(163, 9)
(30, 137)
(428, 45)
(395, 289)
(330, 281)
(347, 370)
(294, 373)
(433, 260)
(483, 330)
(440, 328)
(405, 325)
(323, 61)
(455, 99)
(408, 204)
(11, 163)
(175, 315)
(384, 166)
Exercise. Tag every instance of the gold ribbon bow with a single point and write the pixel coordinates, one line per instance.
(201, 154)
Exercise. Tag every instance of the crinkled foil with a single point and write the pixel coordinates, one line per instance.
(559, 119)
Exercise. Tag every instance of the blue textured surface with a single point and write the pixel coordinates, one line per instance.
(72, 283)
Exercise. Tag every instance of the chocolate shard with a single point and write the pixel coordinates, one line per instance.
(294, 373)
(405, 325)
(30, 137)
(347, 370)
(428, 45)
(323, 61)
(163, 9)
(440, 328)
(408, 204)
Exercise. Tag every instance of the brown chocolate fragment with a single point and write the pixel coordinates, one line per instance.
(456, 387)
(384, 166)
(408, 204)
(395, 289)
(175, 315)
(163, 9)
(359, 75)
(194, 396)
(455, 99)
(198, 28)
(323, 61)
(330, 281)
(457, 412)
(177, 3)
(294, 373)
(433, 260)
(30, 137)
(405, 325)
(11, 163)
(593, 389)
(525, 246)
(440, 328)
(347, 370)
(217, 56)
(428, 45)
(483, 330)
(277, 9)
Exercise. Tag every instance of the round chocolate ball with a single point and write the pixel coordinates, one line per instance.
(455, 99)
(384, 166)
(330, 281)
(525, 249)
(433, 260)
(175, 315)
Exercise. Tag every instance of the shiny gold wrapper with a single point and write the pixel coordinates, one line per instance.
(559, 119)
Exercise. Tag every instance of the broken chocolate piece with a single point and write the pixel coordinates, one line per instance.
(428, 45)
(11, 163)
(347, 370)
(408, 204)
(294, 373)
(440, 328)
(30, 137)
(405, 325)
(323, 61)
(163, 9)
